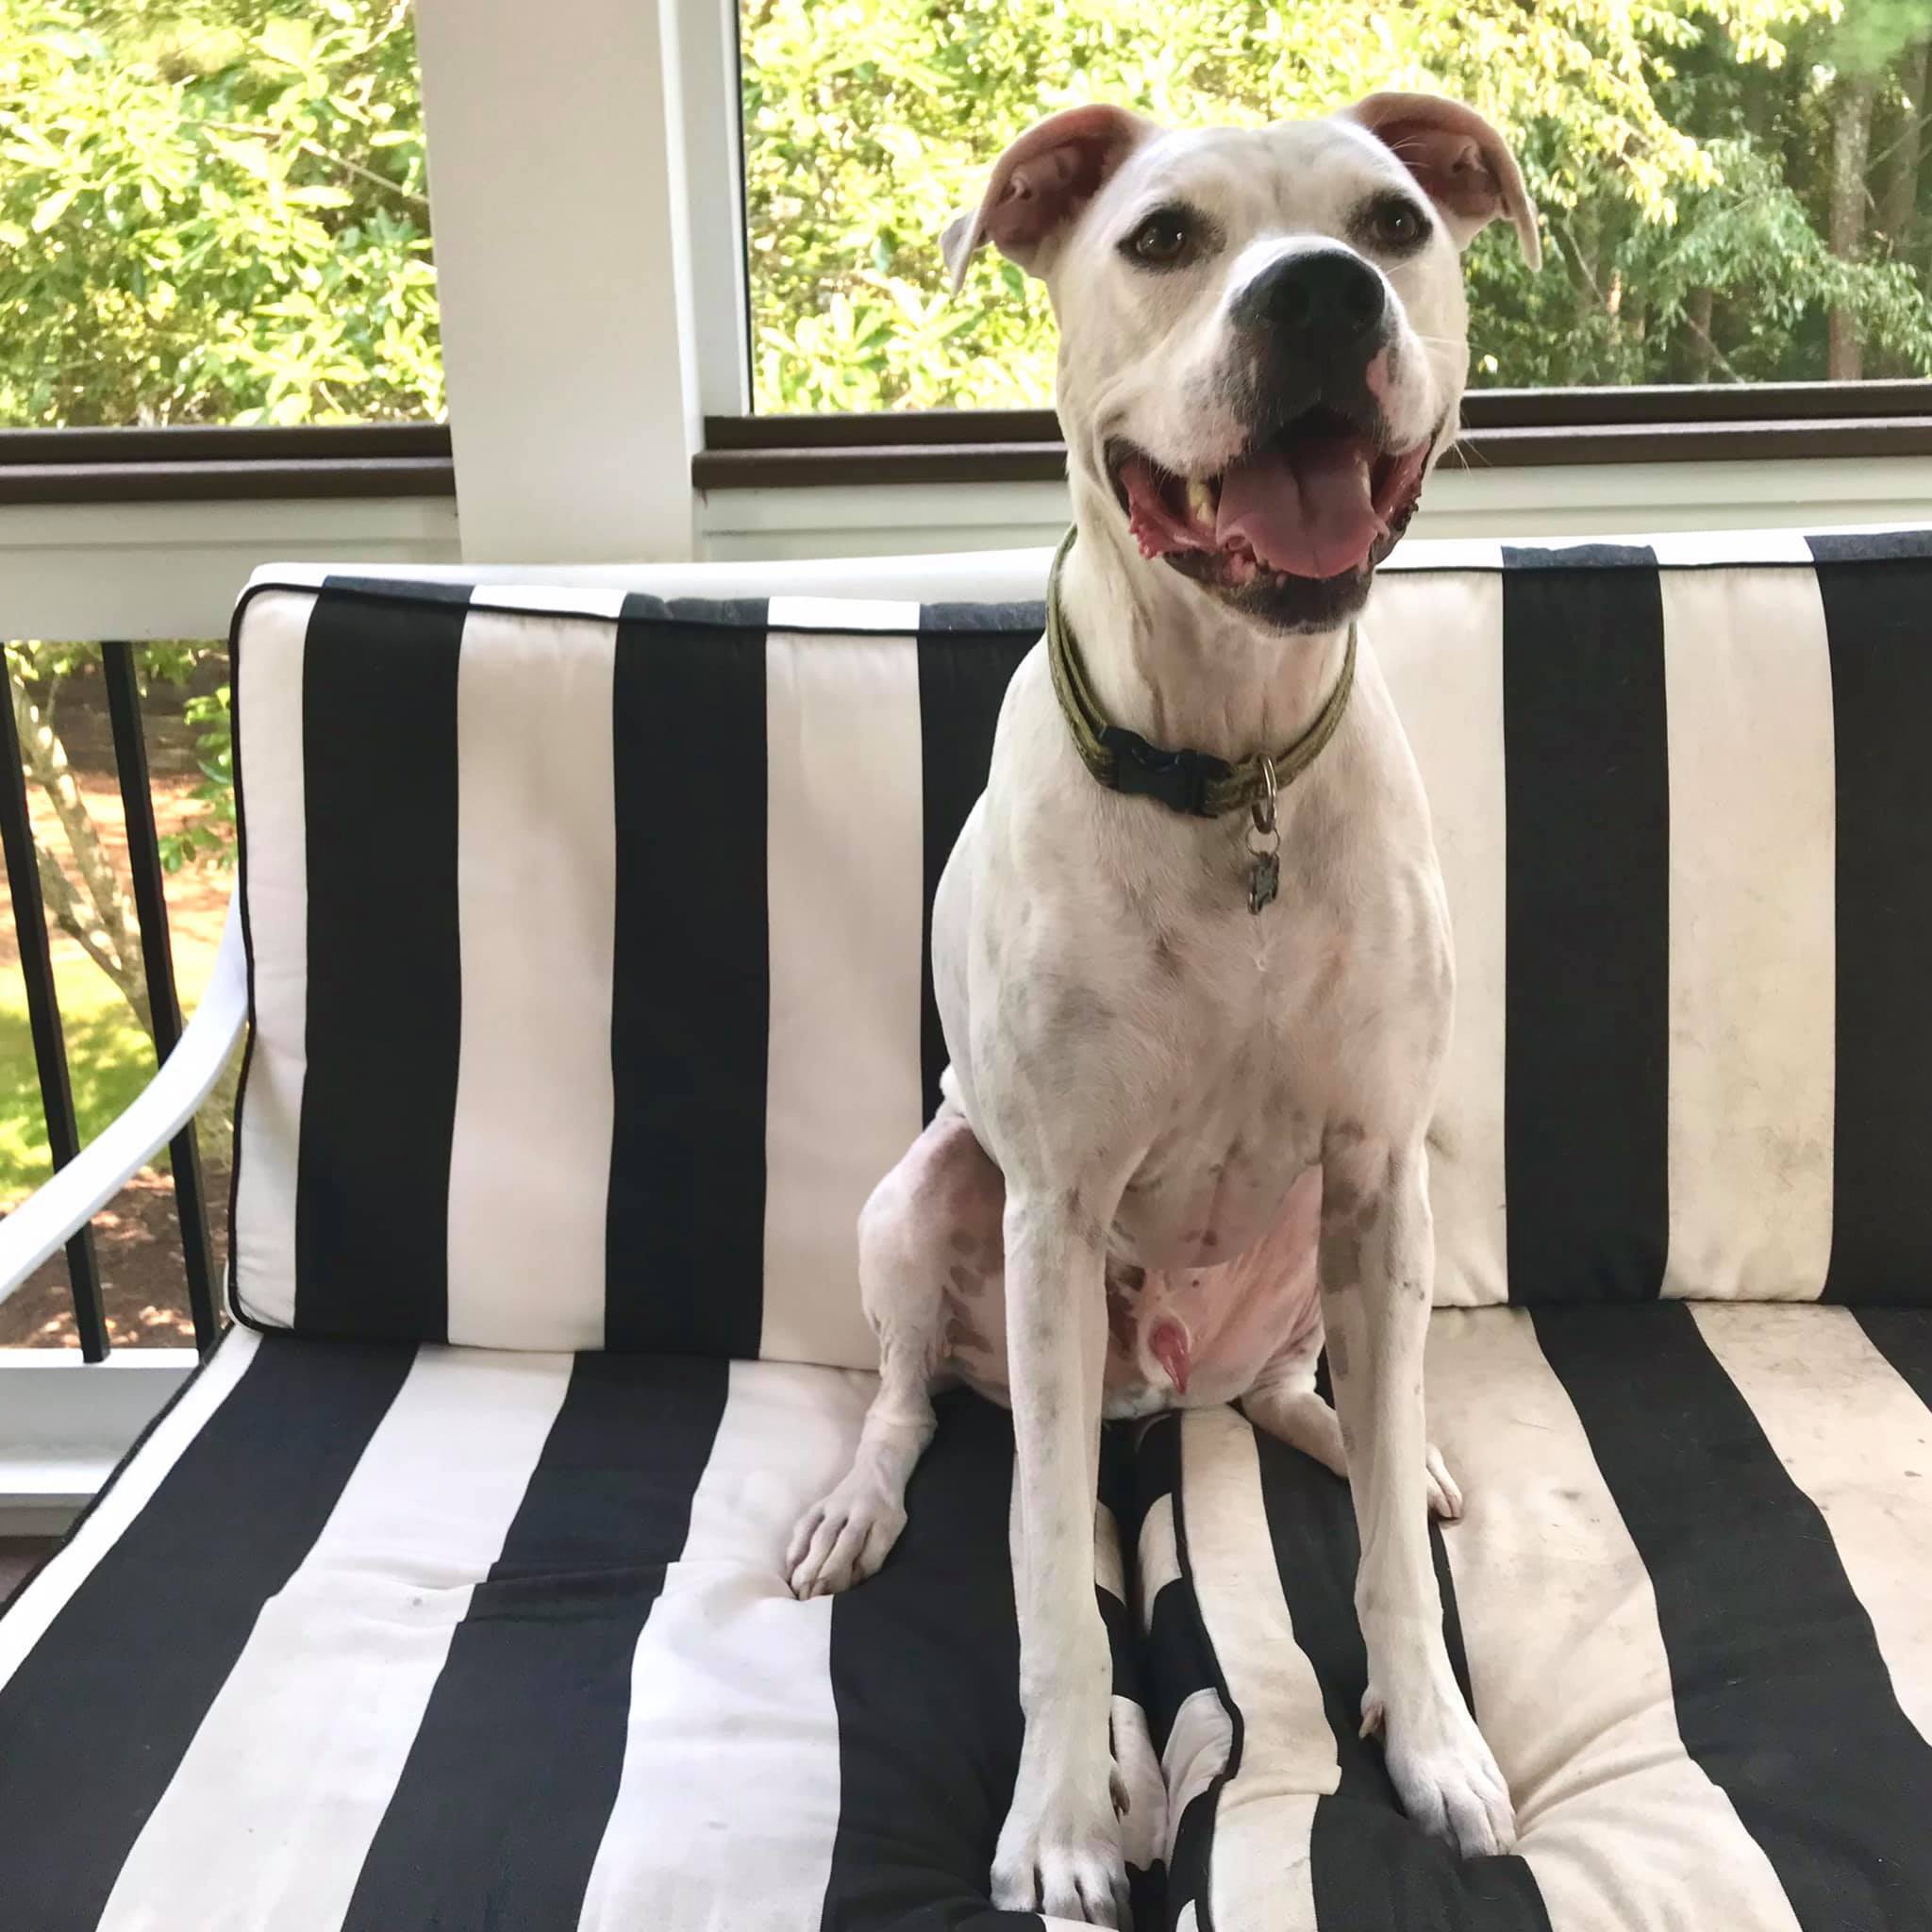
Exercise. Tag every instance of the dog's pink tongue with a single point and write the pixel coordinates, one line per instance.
(1307, 511)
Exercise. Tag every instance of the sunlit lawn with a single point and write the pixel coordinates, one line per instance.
(111, 1058)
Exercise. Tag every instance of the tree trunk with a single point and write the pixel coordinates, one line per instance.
(1900, 197)
(100, 921)
(1850, 144)
(1697, 314)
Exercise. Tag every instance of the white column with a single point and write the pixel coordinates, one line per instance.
(555, 186)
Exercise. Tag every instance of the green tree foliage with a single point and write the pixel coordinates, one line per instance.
(1682, 153)
(213, 212)
(216, 211)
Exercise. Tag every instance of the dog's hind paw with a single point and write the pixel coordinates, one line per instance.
(1445, 1498)
(844, 1537)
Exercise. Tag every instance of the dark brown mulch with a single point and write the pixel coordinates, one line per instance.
(144, 1291)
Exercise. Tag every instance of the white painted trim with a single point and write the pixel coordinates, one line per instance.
(707, 112)
(68, 1422)
(566, 330)
(85, 572)
(44, 1220)
(1582, 500)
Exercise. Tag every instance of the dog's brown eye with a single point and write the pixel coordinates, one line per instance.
(1397, 223)
(1161, 240)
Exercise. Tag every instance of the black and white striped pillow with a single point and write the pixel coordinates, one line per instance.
(588, 936)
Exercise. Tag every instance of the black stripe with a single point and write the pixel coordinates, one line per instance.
(1878, 620)
(1372, 1870)
(967, 658)
(1588, 988)
(95, 1723)
(1904, 1337)
(1181, 1660)
(1872, 546)
(691, 997)
(508, 1786)
(1782, 1696)
(1118, 1482)
(385, 979)
(926, 1674)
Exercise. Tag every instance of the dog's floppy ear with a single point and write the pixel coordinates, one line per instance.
(1042, 183)
(1459, 161)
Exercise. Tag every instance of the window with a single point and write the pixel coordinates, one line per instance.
(1732, 191)
(213, 212)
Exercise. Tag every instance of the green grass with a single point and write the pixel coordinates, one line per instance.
(111, 1060)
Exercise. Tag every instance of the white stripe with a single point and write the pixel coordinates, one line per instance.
(529, 1172)
(1110, 1572)
(26, 1621)
(1853, 1435)
(731, 1756)
(1714, 549)
(1753, 854)
(565, 599)
(846, 616)
(1260, 1873)
(268, 709)
(845, 867)
(1621, 1828)
(1439, 641)
(1159, 1555)
(1198, 1743)
(1440, 554)
(1144, 1831)
(329, 1692)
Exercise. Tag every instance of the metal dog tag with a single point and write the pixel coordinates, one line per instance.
(1264, 880)
(1264, 859)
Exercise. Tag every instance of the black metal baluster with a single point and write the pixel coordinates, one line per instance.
(157, 956)
(44, 1012)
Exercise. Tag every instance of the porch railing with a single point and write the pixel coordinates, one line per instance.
(164, 1006)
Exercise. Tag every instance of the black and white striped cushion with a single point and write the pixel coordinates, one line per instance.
(588, 936)
(587, 956)
(1687, 1605)
(382, 1637)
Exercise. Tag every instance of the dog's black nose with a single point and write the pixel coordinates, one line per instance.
(1323, 295)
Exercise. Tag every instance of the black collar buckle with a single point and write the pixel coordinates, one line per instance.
(1178, 779)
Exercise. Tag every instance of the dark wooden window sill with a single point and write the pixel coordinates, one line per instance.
(214, 465)
(1502, 429)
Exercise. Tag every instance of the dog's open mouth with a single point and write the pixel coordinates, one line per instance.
(1319, 498)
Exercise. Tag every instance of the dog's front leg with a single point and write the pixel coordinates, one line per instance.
(1059, 1851)
(1377, 1271)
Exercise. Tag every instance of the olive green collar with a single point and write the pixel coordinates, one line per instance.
(1194, 783)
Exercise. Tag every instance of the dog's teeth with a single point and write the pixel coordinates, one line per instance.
(1200, 500)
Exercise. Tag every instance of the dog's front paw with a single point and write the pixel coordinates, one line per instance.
(1059, 1851)
(844, 1537)
(1445, 1774)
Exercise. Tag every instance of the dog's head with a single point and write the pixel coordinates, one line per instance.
(1262, 330)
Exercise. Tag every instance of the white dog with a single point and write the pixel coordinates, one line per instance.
(1191, 950)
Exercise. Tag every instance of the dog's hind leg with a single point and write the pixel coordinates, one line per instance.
(933, 1222)
(1283, 1402)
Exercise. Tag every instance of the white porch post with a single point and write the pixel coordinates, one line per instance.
(557, 205)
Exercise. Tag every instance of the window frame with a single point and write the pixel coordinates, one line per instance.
(733, 447)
